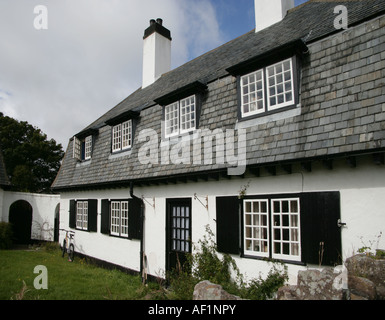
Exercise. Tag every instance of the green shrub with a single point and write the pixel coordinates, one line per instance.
(205, 264)
(6, 235)
(264, 289)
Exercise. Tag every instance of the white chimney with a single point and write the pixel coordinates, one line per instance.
(269, 12)
(156, 52)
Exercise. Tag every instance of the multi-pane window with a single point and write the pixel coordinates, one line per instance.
(272, 228)
(119, 218)
(267, 89)
(181, 228)
(280, 85)
(257, 227)
(82, 148)
(122, 136)
(187, 114)
(172, 119)
(180, 117)
(77, 149)
(286, 229)
(253, 97)
(82, 215)
(88, 148)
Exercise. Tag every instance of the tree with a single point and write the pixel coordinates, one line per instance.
(32, 162)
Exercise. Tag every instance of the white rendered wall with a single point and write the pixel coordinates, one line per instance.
(43, 212)
(362, 209)
(1, 205)
(119, 251)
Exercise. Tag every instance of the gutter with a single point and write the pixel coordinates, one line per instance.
(143, 258)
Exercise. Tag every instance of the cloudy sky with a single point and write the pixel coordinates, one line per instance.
(90, 57)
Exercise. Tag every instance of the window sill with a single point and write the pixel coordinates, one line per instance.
(119, 237)
(183, 137)
(82, 230)
(262, 118)
(293, 262)
(119, 154)
(83, 163)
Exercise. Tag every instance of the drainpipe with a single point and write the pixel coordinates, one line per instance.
(142, 255)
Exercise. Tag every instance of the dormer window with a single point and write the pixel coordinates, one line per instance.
(280, 84)
(269, 83)
(82, 148)
(268, 89)
(123, 129)
(181, 109)
(180, 117)
(122, 136)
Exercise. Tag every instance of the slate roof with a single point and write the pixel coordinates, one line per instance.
(4, 181)
(332, 119)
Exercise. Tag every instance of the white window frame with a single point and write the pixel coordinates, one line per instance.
(256, 234)
(260, 239)
(88, 148)
(82, 215)
(292, 227)
(171, 120)
(252, 94)
(77, 149)
(119, 218)
(77, 152)
(116, 138)
(122, 136)
(127, 135)
(180, 117)
(271, 88)
(280, 76)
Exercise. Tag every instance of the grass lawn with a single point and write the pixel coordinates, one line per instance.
(66, 280)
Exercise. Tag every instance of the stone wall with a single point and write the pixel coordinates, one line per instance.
(366, 278)
(362, 278)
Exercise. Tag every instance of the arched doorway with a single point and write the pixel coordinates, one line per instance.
(20, 216)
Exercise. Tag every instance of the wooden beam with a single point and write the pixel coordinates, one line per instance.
(328, 163)
(272, 170)
(378, 158)
(306, 166)
(287, 168)
(256, 171)
(352, 162)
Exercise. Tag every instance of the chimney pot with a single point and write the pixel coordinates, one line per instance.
(152, 21)
(159, 21)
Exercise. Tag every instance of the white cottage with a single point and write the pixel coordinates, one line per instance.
(275, 140)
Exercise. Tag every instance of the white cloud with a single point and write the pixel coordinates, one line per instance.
(90, 58)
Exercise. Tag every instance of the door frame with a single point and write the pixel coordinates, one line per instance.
(169, 204)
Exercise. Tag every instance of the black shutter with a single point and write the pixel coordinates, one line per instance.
(92, 215)
(135, 219)
(321, 236)
(72, 214)
(228, 224)
(105, 217)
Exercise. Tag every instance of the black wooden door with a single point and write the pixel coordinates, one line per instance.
(321, 234)
(178, 233)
